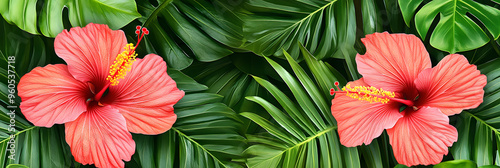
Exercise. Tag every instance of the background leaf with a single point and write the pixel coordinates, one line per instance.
(48, 16)
(456, 163)
(326, 28)
(456, 31)
(231, 78)
(372, 22)
(188, 29)
(16, 166)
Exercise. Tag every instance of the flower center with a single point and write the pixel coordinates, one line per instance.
(122, 64)
(369, 93)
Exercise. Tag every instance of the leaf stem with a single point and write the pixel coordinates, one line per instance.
(305, 18)
(197, 144)
(310, 138)
(483, 122)
(157, 10)
(18, 134)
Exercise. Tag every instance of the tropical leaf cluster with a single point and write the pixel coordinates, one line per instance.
(257, 76)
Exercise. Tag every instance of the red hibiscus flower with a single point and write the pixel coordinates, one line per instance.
(102, 95)
(400, 92)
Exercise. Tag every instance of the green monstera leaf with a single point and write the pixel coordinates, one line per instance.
(456, 31)
(48, 16)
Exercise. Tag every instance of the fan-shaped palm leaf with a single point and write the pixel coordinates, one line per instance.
(326, 28)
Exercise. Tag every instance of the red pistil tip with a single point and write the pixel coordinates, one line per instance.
(145, 31)
(332, 91)
(337, 85)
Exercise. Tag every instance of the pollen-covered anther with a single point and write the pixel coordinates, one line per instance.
(121, 65)
(370, 94)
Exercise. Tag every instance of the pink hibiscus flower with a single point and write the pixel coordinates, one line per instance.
(97, 98)
(397, 73)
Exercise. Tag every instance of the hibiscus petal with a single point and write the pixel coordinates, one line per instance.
(99, 136)
(451, 86)
(90, 51)
(361, 121)
(392, 61)
(422, 137)
(146, 96)
(50, 95)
